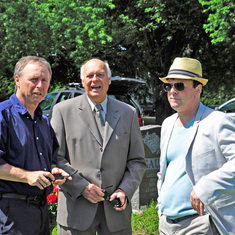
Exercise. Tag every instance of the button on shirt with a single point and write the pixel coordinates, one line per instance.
(25, 143)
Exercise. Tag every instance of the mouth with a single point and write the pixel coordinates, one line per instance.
(37, 94)
(95, 87)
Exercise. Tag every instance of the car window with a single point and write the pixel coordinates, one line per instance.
(48, 100)
(64, 96)
(229, 108)
(76, 94)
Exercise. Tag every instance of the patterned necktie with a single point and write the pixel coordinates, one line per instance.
(99, 110)
(99, 120)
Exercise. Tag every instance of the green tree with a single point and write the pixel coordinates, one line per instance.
(139, 38)
(65, 32)
(221, 20)
(152, 34)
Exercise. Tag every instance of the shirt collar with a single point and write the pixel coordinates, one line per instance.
(103, 104)
(20, 108)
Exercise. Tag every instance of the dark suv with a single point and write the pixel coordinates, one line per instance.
(119, 89)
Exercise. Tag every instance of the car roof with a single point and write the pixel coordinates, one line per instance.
(122, 85)
(222, 105)
(118, 86)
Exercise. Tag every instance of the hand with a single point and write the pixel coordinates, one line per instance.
(39, 178)
(196, 203)
(122, 196)
(93, 193)
(56, 170)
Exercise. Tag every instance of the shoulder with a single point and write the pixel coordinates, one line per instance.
(5, 105)
(5, 110)
(70, 103)
(120, 105)
(170, 119)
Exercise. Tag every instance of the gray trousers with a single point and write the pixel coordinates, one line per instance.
(193, 225)
(99, 226)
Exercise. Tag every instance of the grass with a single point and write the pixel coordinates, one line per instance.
(144, 222)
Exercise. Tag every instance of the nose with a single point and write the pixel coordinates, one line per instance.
(39, 84)
(95, 77)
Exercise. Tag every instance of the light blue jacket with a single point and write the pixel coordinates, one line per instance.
(210, 164)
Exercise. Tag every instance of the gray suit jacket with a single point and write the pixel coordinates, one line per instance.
(210, 164)
(119, 162)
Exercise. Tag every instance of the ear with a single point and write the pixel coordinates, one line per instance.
(17, 80)
(82, 82)
(109, 80)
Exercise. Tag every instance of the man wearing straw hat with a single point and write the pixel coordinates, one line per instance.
(196, 182)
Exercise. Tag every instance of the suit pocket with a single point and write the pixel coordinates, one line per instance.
(204, 163)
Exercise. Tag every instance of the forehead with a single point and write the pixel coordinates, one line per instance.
(94, 66)
(36, 68)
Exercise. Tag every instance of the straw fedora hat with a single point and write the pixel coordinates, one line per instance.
(185, 68)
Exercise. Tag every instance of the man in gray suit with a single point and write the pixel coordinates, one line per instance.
(197, 165)
(105, 148)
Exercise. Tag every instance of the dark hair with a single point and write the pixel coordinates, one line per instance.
(196, 83)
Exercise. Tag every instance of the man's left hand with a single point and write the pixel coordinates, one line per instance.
(56, 170)
(122, 196)
(196, 203)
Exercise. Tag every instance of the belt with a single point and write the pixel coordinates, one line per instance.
(38, 200)
(182, 218)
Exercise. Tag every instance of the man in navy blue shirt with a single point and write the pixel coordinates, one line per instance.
(28, 149)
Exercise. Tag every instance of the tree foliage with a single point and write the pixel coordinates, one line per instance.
(139, 38)
(221, 20)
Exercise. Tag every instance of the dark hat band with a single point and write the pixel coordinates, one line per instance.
(184, 72)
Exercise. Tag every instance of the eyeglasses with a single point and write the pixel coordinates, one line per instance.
(179, 86)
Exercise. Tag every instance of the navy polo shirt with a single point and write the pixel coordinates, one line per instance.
(26, 143)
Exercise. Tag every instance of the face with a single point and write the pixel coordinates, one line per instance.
(33, 84)
(95, 80)
(186, 100)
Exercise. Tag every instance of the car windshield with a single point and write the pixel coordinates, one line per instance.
(47, 102)
(229, 108)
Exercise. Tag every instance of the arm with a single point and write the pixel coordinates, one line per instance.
(74, 188)
(220, 181)
(33, 178)
(135, 165)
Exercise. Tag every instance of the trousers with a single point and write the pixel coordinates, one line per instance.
(99, 226)
(192, 225)
(19, 217)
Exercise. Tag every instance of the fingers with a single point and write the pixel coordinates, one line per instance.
(58, 171)
(122, 196)
(93, 193)
(39, 179)
(196, 203)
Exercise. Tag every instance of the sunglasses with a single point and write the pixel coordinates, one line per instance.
(179, 86)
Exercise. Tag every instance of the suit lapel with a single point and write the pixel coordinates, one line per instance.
(86, 115)
(195, 125)
(112, 118)
(167, 136)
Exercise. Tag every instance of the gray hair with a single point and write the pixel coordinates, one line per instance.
(107, 67)
(20, 65)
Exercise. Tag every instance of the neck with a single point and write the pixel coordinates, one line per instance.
(187, 116)
(31, 107)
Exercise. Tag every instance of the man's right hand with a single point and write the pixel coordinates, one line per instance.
(41, 179)
(93, 193)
